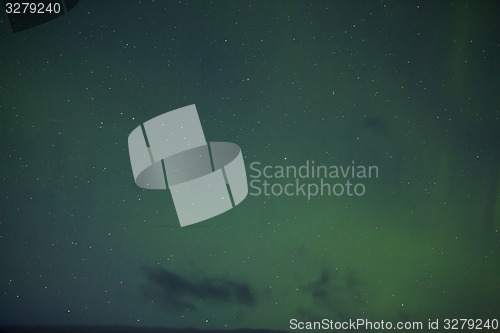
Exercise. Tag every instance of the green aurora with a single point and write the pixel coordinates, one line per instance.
(409, 87)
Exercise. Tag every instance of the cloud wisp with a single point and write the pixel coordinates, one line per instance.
(179, 293)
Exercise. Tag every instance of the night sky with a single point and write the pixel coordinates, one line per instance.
(408, 86)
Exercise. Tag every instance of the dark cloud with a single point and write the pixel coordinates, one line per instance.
(375, 124)
(319, 288)
(334, 293)
(323, 290)
(179, 293)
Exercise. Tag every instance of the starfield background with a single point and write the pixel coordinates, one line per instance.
(409, 86)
